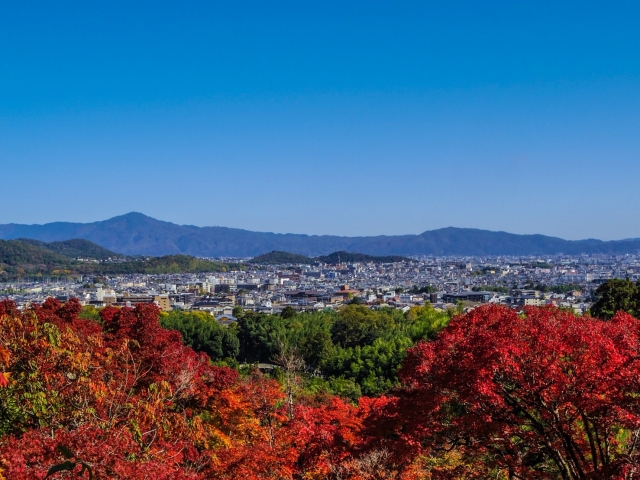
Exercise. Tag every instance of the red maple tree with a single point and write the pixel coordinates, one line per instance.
(546, 394)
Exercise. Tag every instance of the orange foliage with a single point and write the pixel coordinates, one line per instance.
(132, 402)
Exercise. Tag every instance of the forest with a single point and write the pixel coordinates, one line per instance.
(354, 394)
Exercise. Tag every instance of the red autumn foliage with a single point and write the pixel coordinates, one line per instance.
(543, 395)
(132, 402)
(496, 395)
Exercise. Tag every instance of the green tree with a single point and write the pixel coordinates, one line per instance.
(89, 312)
(424, 323)
(424, 289)
(355, 301)
(615, 295)
(357, 325)
(288, 312)
(373, 367)
(358, 350)
(201, 332)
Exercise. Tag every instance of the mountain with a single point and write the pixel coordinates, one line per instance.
(131, 234)
(138, 234)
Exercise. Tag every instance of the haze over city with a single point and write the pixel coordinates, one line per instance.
(345, 118)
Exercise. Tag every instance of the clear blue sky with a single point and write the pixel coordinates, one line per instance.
(352, 118)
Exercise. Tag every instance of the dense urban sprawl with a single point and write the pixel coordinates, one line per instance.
(442, 281)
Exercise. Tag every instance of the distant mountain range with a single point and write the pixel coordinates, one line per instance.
(138, 234)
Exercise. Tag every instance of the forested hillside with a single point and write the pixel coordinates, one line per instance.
(25, 257)
(75, 248)
(348, 257)
(278, 258)
(19, 253)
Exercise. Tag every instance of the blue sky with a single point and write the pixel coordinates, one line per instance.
(350, 118)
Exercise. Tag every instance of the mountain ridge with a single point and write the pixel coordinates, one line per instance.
(138, 234)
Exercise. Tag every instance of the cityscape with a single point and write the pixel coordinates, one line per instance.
(444, 282)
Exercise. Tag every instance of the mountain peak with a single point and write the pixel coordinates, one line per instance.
(133, 216)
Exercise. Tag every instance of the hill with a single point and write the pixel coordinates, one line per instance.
(19, 253)
(160, 265)
(280, 258)
(75, 248)
(138, 234)
(277, 258)
(350, 257)
(20, 258)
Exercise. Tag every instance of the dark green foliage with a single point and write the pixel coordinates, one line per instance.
(371, 345)
(75, 248)
(201, 332)
(357, 325)
(616, 295)
(345, 387)
(373, 367)
(340, 386)
(257, 340)
(424, 289)
(159, 265)
(356, 349)
(565, 288)
(262, 336)
(18, 253)
(350, 257)
(19, 258)
(288, 312)
(278, 258)
(310, 334)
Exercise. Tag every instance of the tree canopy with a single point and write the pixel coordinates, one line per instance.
(616, 295)
(358, 394)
